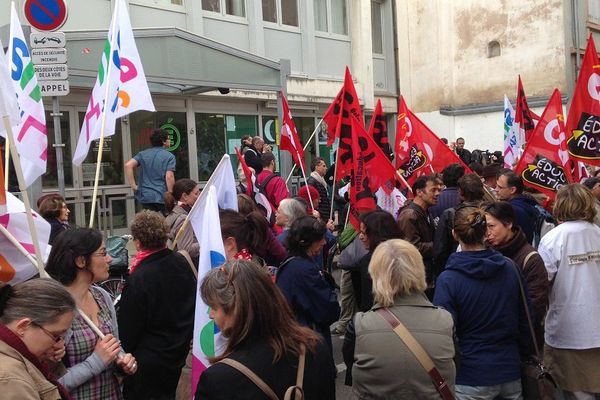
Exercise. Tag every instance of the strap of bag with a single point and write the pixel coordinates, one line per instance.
(252, 376)
(419, 352)
(526, 307)
(528, 257)
(297, 390)
(190, 262)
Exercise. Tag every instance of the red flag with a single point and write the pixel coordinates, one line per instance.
(338, 122)
(583, 123)
(545, 163)
(361, 195)
(289, 136)
(378, 130)
(419, 151)
(247, 174)
(524, 117)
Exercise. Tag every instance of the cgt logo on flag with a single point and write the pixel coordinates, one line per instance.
(416, 162)
(545, 174)
(583, 142)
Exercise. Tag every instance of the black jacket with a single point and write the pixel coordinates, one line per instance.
(252, 158)
(156, 320)
(221, 381)
(324, 202)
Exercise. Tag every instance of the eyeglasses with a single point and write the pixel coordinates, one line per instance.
(101, 254)
(50, 334)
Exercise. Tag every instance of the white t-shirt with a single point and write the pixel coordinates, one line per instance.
(571, 253)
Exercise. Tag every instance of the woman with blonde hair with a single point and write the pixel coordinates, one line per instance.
(571, 253)
(480, 288)
(380, 362)
(263, 336)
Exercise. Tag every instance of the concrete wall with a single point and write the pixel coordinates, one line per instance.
(444, 50)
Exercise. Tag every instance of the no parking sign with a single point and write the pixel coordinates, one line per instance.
(46, 15)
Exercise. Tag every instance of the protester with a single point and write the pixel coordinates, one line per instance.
(509, 188)
(480, 288)
(270, 249)
(157, 172)
(317, 180)
(54, 210)
(247, 238)
(78, 260)
(263, 336)
(470, 191)
(490, 176)
(461, 152)
(311, 297)
(274, 186)
(289, 210)
(178, 204)
(448, 197)
(379, 362)
(593, 184)
(570, 252)
(507, 238)
(156, 311)
(376, 227)
(252, 154)
(415, 223)
(34, 318)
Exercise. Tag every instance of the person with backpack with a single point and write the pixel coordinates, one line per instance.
(271, 185)
(264, 340)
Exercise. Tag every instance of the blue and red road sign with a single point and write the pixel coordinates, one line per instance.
(46, 15)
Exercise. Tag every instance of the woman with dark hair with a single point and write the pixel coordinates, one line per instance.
(54, 210)
(571, 253)
(78, 260)
(156, 312)
(376, 227)
(508, 238)
(248, 238)
(34, 318)
(311, 297)
(262, 335)
(480, 288)
(178, 204)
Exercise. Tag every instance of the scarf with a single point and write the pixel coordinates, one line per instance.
(139, 257)
(9, 337)
(243, 254)
(320, 179)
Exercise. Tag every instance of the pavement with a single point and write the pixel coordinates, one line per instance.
(342, 391)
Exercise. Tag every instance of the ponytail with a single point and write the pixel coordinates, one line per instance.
(470, 225)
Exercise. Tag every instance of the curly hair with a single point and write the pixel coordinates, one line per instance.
(150, 228)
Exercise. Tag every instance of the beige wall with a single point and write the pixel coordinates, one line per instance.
(443, 50)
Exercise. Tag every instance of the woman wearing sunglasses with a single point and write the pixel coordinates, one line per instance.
(78, 260)
(34, 317)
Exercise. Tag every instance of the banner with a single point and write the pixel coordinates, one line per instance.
(378, 130)
(524, 117)
(583, 123)
(8, 98)
(31, 138)
(120, 87)
(545, 164)
(512, 146)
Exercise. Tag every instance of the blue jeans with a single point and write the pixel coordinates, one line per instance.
(508, 391)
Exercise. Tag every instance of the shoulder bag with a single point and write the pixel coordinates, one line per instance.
(419, 352)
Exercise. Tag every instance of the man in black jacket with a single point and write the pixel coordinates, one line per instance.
(318, 169)
(252, 154)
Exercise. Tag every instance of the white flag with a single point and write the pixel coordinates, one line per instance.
(121, 86)
(512, 145)
(8, 98)
(206, 337)
(30, 135)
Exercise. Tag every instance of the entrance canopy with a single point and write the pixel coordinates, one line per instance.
(176, 61)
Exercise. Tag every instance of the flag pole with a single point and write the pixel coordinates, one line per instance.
(6, 161)
(198, 201)
(337, 158)
(105, 106)
(23, 188)
(305, 180)
(312, 135)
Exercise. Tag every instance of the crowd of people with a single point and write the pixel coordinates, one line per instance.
(441, 280)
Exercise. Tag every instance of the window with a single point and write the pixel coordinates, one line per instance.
(594, 10)
(229, 7)
(284, 11)
(493, 49)
(50, 178)
(376, 28)
(331, 16)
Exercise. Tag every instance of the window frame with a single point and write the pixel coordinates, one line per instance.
(279, 24)
(223, 14)
(329, 33)
(161, 5)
